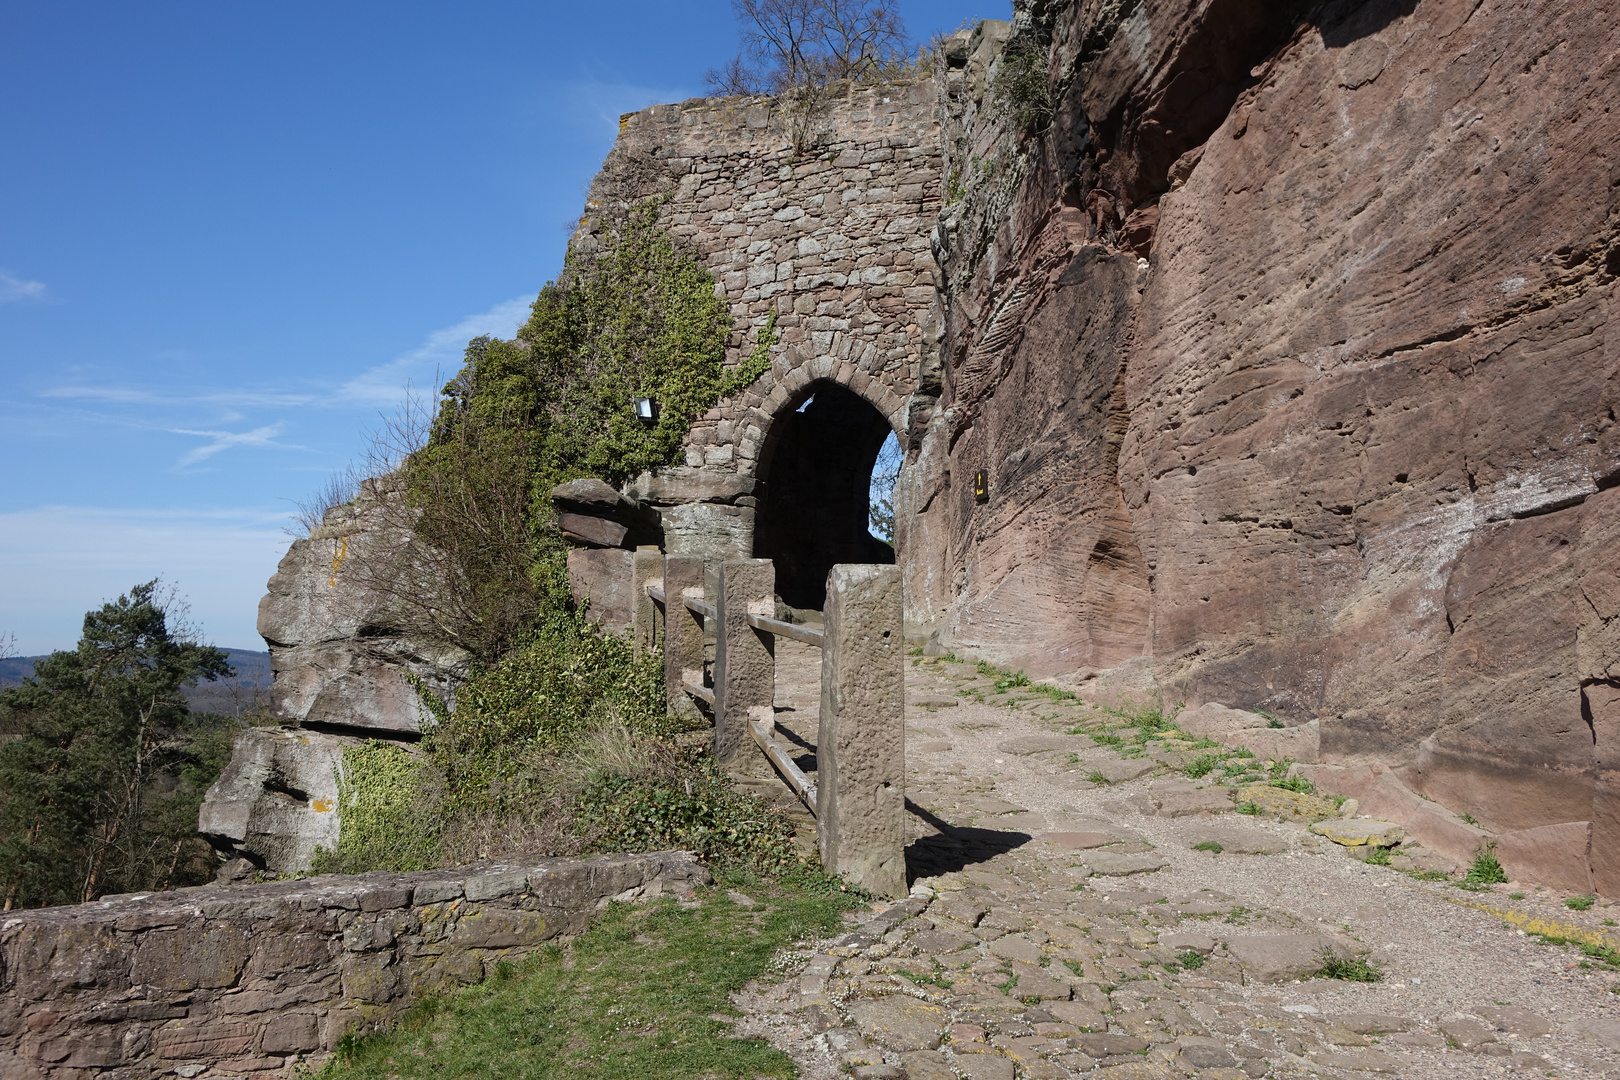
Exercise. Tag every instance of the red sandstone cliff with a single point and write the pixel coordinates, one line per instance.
(1285, 349)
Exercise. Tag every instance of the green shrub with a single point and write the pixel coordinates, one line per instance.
(1378, 856)
(389, 817)
(1352, 970)
(1202, 765)
(1250, 808)
(1190, 960)
(1212, 846)
(1580, 903)
(1486, 869)
(1021, 87)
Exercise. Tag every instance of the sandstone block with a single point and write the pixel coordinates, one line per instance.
(1355, 832)
(683, 630)
(1559, 856)
(602, 581)
(500, 928)
(1112, 864)
(593, 531)
(745, 658)
(291, 1033)
(189, 959)
(1288, 805)
(899, 1023)
(1516, 1020)
(860, 811)
(189, 1040)
(1273, 958)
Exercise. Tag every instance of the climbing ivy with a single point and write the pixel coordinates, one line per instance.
(632, 317)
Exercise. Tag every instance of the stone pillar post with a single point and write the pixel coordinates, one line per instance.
(744, 658)
(861, 751)
(646, 618)
(683, 629)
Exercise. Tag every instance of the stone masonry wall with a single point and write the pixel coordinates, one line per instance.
(253, 980)
(831, 236)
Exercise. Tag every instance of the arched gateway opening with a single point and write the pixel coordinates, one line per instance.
(816, 473)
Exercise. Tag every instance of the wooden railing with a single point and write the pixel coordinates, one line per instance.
(862, 692)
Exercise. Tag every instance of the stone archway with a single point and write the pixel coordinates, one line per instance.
(814, 471)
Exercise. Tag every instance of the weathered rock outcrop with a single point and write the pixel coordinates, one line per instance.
(340, 663)
(253, 979)
(1285, 351)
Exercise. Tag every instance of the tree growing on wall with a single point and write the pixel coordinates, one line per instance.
(104, 767)
(796, 44)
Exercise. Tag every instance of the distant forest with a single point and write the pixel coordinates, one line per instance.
(234, 697)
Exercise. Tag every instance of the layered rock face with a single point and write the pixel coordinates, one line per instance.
(340, 663)
(1284, 349)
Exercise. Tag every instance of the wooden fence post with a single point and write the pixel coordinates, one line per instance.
(683, 630)
(860, 753)
(744, 658)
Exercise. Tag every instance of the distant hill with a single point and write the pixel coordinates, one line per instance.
(250, 686)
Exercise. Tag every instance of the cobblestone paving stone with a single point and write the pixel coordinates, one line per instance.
(1062, 923)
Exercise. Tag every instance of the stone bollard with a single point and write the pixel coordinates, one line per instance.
(646, 618)
(861, 751)
(683, 630)
(744, 658)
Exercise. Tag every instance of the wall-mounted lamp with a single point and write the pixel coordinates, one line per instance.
(646, 410)
(981, 486)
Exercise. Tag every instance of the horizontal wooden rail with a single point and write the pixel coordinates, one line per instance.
(702, 693)
(765, 735)
(656, 593)
(702, 607)
(807, 634)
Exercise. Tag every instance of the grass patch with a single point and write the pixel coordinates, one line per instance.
(635, 996)
(1352, 970)
(1250, 808)
(1190, 960)
(1427, 875)
(1379, 856)
(1580, 903)
(1202, 766)
(1211, 846)
(1097, 778)
(1486, 869)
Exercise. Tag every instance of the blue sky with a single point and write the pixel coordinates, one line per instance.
(231, 234)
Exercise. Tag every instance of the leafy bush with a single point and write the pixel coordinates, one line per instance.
(1580, 903)
(1379, 856)
(1021, 86)
(700, 811)
(1202, 765)
(1352, 970)
(1486, 869)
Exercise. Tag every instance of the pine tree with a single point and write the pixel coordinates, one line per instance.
(98, 745)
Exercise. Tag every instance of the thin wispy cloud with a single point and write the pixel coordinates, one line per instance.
(60, 561)
(263, 437)
(441, 350)
(14, 290)
(227, 399)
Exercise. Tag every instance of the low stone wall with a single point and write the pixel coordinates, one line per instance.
(254, 979)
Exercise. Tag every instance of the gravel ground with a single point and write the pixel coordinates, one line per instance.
(1137, 956)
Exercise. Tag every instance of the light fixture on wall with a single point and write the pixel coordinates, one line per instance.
(646, 410)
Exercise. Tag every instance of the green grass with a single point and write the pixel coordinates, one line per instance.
(1097, 778)
(1190, 960)
(633, 997)
(1249, 808)
(1580, 903)
(1211, 846)
(1379, 856)
(1353, 970)
(1202, 765)
(1486, 869)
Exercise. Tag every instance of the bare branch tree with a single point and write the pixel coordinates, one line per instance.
(794, 44)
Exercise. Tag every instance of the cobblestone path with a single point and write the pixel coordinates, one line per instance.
(1077, 912)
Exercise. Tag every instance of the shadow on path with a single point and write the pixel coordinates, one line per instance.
(956, 847)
